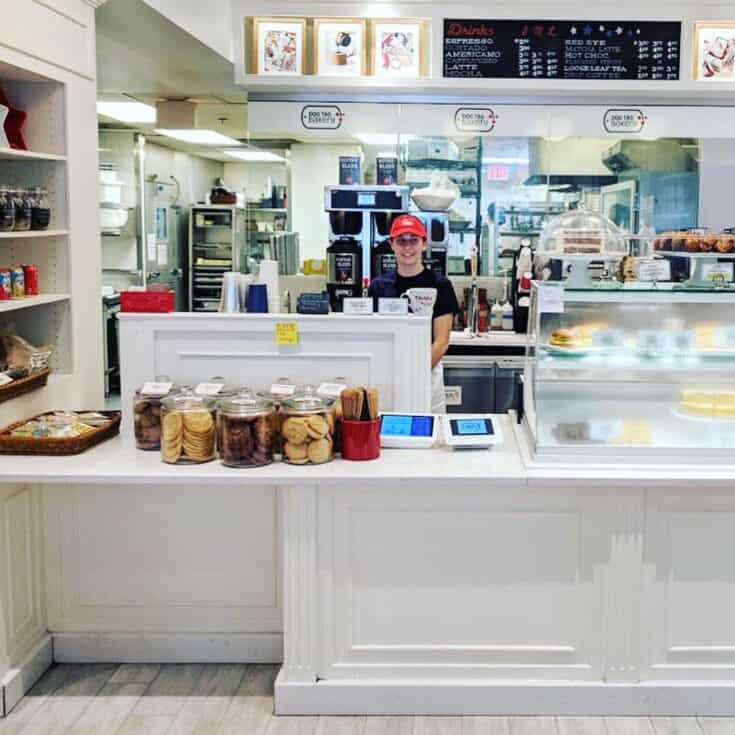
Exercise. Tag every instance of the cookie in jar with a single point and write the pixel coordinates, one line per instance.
(246, 428)
(147, 411)
(187, 429)
(307, 430)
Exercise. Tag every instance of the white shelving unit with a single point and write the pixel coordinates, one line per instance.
(9, 154)
(32, 233)
(30, 301)
(49, 100)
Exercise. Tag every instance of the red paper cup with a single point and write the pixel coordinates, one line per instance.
(361, 440)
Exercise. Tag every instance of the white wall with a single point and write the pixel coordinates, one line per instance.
(253, 177)
(314, 166)
(717, 164)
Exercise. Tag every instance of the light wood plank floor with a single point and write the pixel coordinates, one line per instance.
(211, 699)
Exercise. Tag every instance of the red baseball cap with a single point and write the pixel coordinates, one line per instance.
(407, 224)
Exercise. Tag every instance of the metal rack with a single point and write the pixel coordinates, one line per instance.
(456, 228)
(216, 233)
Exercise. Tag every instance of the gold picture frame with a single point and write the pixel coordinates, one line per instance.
(331, 63)
(714, 64)
(279, 46)
(400, 56)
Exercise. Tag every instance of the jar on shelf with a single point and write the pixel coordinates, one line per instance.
(22, 201)
(278, 392)
(333, 389)
(217, 389)
(246, 429)
(187, 429)
(147, 411)
(307, 431)
(40, 210)
(7, 209)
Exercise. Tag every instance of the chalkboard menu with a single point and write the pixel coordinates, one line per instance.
(545, 49)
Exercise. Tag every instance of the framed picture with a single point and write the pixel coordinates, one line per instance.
(396, 48)
(714, 52)
(279, 46)
(340, 47)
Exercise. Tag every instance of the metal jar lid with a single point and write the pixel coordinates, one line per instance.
(307, 402)
(246, 403)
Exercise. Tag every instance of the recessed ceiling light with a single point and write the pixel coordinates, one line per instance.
(256, 156)
(199, 137)
(128, 112)
(382, 138)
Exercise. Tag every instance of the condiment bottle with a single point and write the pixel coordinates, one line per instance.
(507, 318)
(496, 316)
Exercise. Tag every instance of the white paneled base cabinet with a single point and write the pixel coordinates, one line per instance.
(508, 598)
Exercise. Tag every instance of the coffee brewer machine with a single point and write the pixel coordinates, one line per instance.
(357, 216)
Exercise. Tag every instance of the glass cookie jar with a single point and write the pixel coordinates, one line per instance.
(147, 411)
(246, 426)
(187, 429)
(307, 428)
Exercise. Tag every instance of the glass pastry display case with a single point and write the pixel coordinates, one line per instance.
(634, 374)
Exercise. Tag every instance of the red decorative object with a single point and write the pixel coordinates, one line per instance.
(14, 123)
(151, 302)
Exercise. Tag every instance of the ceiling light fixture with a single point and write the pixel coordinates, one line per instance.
(509, 160)
(198, 137)
(382, 138)
(256, 156)
(127, 112)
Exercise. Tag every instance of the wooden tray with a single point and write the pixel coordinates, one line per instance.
(58, 447)
(23, 385)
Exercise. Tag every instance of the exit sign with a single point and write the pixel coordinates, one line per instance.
(498, 173)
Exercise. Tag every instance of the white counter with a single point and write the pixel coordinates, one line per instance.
(429, 581)
(488, 339)
(117, 462)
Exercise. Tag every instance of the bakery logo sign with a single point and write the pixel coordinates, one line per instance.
(624, 121)
(322, 117)
(475, 120)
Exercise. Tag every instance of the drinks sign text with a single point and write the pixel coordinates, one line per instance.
(547, 49)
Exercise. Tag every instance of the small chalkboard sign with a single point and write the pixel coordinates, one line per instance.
(546, 49)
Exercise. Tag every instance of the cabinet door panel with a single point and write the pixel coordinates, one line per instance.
(461, 584)
(689, 583)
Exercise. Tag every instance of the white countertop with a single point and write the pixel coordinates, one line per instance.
(117, 462)
(488, 339)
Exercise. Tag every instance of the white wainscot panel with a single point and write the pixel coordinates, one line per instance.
(458, 584)
(163, 559)
(20, 589)
(689, 585)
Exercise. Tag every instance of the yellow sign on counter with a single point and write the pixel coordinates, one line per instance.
(287, 333)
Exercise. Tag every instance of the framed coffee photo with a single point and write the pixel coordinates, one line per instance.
(714, 52)
(340, 47)
(279, 46)
(396, 48)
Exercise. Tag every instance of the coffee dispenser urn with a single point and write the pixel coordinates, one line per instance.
(353, 234)
(344, 271)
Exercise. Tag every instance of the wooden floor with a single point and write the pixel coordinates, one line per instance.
(235, 699)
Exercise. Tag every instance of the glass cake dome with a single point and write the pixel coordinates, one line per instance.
(580, 232)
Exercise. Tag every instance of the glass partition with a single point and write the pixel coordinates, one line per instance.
(496, 189)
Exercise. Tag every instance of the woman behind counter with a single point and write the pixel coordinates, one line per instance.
(408, 241)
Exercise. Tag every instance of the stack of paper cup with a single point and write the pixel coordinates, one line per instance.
(268, 274)
(245, 280)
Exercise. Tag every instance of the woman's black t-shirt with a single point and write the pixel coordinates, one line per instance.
(392, 284)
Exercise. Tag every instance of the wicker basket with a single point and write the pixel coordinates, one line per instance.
(24, 385)
(55, 446)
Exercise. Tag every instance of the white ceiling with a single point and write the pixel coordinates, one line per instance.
(141, 53)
